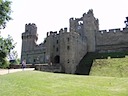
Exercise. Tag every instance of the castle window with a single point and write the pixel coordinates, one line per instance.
(68, 47)
(68, 61)
(57, 42)
(57, 49)
(68, 39)
(34, 60)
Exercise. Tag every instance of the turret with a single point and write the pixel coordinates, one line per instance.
(29, 37)
(73, 24)
(90, 27)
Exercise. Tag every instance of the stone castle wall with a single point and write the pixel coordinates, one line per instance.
(68, 48)
(72, 49)
(114, 39)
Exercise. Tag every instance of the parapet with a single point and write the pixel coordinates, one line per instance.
(110, 30)
(31, 28)
(31, 24)
(63, 30)
(76, 19)
(52, 33)
(117, 30)
(125, 29)
(90, 12)
(114, 30)
(71, 19)
(103, 31)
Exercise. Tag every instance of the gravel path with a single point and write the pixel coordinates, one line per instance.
(6, 71)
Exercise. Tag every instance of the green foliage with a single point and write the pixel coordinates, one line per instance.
(4, 63)
(6, 45)
(34, 83)
(16, 61)
(5, 11)
(100, 61)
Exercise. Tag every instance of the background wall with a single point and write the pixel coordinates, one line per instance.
(112, 39)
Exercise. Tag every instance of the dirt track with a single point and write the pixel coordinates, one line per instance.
(6, 71)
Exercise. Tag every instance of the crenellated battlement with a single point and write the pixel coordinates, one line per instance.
(89, 13)
(112, 37)
(63, 30)
(117, 30)
(31, 24)
(76, 19)
(31, 28)
(53, 33)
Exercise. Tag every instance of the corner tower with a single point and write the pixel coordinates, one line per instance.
(90, 27)
(29, 38)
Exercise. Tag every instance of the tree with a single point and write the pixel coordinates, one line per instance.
(13, 57)
(6, 45)
(5, 11)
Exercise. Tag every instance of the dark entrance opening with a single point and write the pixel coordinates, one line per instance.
(57, 59)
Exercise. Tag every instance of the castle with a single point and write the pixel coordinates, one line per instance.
(68, 48)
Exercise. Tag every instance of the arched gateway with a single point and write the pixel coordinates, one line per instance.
(57, 59)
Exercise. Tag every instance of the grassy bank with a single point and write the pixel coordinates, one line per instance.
(115, 67)
(34, 83)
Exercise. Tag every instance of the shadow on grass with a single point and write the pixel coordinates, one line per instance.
(84, 67)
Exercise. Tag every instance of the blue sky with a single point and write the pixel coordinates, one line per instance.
(51, 15)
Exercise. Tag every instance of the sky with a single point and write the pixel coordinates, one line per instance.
(52, 15)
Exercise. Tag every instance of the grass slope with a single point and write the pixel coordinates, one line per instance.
(117, 67)
(34, 83)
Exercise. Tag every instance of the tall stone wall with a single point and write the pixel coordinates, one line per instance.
(52, 44)
(65, 54)
(114, 39)
(31, 52)
(72, 50)
(86, 26)
(68, 48)
(90, 27)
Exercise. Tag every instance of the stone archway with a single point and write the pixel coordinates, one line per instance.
(57, 59)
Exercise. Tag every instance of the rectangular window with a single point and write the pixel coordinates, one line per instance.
(68, 47)
(57, 49)
(68, 39)
(68, 60)
(57, 42)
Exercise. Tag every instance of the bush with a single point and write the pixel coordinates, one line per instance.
(15, 62)
(4, 63)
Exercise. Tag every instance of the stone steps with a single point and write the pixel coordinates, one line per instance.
(50, 68)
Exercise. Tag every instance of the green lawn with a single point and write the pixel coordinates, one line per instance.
(35, 83)
(115, 67)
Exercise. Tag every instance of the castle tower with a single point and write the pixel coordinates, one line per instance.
(29, 38)
(73, 24)
(50, 47)
(90, 27)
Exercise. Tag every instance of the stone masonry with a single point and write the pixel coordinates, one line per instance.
(68, 48)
